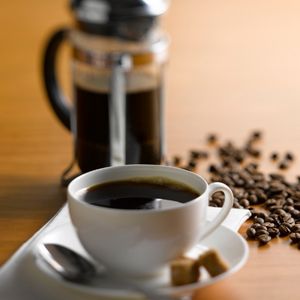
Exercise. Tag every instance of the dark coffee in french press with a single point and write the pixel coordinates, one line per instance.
(143, 132)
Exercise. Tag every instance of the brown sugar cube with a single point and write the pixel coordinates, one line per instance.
(213, 263)
(184, 270)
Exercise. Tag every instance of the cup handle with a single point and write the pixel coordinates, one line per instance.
(228, 202)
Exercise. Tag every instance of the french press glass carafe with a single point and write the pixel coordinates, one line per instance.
(118, 56)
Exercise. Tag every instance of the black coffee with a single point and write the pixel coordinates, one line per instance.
(143, 127)
(136, 193)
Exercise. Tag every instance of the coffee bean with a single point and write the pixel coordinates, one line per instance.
(261, 215)
(283, 165)
(288, 219)
(273, 231)
(256, 226)
(213, 169)
(263, 239)
(192, 164)
(251, 233)
(274, 156)
(269, 224)
(289, 156)
(253, 199)
(296, 228)
(289, 201)
(259, 227)
(259, 220)
(288, 208)
(256, 135)
(269, 219)
(253, 152)
(236, 205)
(212, 138)
(271, 202)
(177, 160)
(295, 213)
(277, 209)
(244, 202)
(295, 237)
(261, 232)
(284, 230)
(194, 154)
(296, 195)
(197, 154)
(262, 197)
(276, 186)
(277, 177)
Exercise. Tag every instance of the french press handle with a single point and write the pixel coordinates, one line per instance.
(55, 95)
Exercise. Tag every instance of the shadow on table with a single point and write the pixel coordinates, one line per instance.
(29, 196)
(26, 204)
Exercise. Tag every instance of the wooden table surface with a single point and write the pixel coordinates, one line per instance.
(234, 67)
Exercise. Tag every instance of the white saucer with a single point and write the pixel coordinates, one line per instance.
(231, 245)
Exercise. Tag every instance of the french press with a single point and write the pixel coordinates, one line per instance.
(118, 58)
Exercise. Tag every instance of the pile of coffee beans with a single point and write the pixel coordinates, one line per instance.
(273, 201)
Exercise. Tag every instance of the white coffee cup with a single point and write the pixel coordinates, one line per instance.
(141, 242)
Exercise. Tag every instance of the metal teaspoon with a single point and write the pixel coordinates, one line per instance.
(74, 267)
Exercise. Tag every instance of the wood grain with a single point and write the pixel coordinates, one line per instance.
(234, 67)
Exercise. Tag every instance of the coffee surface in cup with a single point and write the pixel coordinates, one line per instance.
(141, 193)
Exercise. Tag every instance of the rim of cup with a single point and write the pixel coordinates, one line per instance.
(201, 188)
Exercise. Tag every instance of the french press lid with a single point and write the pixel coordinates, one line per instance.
(125, 19)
